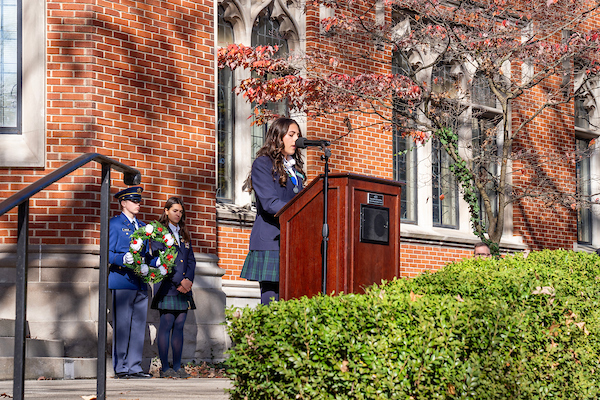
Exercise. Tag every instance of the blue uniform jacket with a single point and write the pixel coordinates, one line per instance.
(121, 277)
(270, 198)
(185, 267)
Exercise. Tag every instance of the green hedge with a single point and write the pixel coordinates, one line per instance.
(479, 329)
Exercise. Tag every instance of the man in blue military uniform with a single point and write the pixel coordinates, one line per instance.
(129, 292)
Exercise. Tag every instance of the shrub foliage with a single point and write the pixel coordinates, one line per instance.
(515, 328)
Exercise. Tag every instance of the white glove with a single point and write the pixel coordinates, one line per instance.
(158, 263)
(128, 258)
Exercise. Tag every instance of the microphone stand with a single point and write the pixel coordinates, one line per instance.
(325, 232)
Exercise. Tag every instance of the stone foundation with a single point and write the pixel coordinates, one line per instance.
(62, 303)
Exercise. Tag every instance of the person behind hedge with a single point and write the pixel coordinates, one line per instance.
(276, 177)
(174, 294)
(129, 292)
(482, 250)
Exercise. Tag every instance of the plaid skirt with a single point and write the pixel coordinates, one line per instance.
(179, 302)
(262, 266)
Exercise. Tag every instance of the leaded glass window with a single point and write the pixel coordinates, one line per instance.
(404, 155)
(225, 119)
(584, 214)
(444, 188)
(266, 32)
(9, 67)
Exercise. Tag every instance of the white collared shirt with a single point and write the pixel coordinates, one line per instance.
(133, 222)
(175, 230)
(288, 164)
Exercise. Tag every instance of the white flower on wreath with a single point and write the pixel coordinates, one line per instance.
(169, 239)
(162, 270)
(149, 229)
(144, 269)
(136, 244)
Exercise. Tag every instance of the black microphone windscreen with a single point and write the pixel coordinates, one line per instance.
(301, 143)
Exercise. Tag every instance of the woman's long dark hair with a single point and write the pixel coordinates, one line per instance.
(164, 219)
(273, 147)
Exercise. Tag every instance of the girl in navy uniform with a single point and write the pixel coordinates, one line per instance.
(129, 292)
(276, 177)
(174, 295)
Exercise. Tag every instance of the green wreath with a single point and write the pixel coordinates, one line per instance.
(155, 232)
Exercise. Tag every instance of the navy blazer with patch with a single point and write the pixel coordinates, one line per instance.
(185, 267)
(270, 198)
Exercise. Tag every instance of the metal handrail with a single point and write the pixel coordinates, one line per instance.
(131, 176)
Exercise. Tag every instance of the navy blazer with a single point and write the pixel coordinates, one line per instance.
(185, 267)
(270, 198)
(119, 237)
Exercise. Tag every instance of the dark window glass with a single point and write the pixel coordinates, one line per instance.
(444, 81)
(584, 214)
(582, 115)
(485, 160)
(404, 150)
(444, 189)
(266, 32)
(225, 118)
(482, 93)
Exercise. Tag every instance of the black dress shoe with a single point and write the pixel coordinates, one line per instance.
(139, 375)
(121, 375)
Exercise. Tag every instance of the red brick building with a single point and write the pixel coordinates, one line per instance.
(137, 82)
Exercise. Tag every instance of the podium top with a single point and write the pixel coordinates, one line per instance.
(340, 176)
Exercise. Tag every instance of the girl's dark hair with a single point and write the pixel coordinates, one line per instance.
(164, 219)
(273, 147)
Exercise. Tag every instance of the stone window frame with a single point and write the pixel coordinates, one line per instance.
(28, 149)
(591, 99)
(424, 226)
(404, 158)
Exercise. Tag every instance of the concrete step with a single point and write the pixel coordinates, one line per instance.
(44, 358)
(51, 368)
(33, 347)
(7, 328)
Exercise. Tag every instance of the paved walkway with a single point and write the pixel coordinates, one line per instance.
(123, 389)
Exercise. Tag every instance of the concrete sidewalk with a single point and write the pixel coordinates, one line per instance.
(124, 389)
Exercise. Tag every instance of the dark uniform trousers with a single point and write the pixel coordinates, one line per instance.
(130, 308)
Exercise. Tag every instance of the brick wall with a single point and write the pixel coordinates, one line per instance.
(364, 149)
(540, 221)
(133, 81)
(232, 249)
(417, 258)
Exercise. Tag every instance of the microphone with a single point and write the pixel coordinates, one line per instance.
(303, 143)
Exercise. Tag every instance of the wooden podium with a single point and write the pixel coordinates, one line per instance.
(364, 236)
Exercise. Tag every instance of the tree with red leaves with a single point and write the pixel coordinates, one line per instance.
(516, 61)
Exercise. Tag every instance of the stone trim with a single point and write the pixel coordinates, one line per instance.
(234, 215)
(241, 293)
(452, 238)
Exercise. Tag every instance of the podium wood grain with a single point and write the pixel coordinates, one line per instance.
(352, 264)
